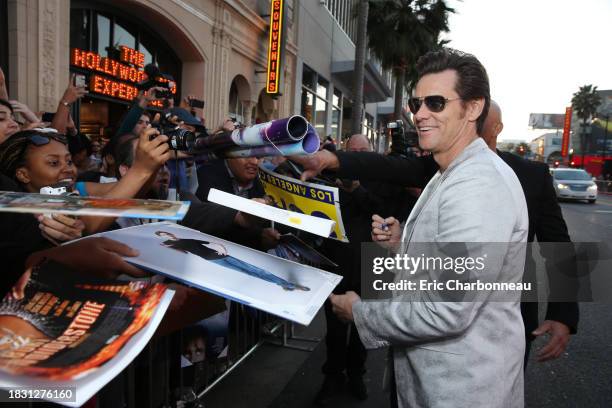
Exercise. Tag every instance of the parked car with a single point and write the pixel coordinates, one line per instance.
(574, 184)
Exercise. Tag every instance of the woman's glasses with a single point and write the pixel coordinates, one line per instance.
(41, 140)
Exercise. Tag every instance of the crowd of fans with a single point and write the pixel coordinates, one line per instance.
(41, 149)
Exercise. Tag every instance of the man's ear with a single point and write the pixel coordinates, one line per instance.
(23, 175)
(498, 128)
(123, 169)
(474, 109)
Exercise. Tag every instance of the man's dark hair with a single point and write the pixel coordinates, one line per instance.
(78, 143)
(472, 78)
(7, 104)
(124, 151)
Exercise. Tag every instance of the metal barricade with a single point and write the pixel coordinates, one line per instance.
(156, 378)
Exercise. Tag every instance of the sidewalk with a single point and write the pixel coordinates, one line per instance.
(280, 377)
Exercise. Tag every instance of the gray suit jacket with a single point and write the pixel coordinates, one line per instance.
(454, 353)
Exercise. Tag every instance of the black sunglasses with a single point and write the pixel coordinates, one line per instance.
(41, 140)
(435, 103)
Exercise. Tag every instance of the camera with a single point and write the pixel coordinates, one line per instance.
(156, 78)
(53, 190)
(79, 81)
(396, 127)
(402, 140)
(179, 139)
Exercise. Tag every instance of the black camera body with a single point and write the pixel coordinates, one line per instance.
(156, 78)
(402, 140)
(397, 128)
(179, 139)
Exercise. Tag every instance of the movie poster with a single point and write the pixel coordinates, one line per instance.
(254, 278)
(78, 206)
(63, 328)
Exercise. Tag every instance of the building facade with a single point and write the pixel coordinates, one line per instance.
(547, 148)
(215, 50)
(325, 66)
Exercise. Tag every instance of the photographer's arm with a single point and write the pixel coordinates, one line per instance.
(151, 154)
(62, 115)
(133, 115)
(405, 171)
(410, 172)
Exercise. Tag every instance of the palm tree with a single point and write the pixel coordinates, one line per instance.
(400, 31)
(360, 56)
(585, 103)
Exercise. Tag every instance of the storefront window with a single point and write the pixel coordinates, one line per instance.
(322, 86)
(307, 105)
(321, 116)
(102, 31)
(336, 98)
(79, 28)
(122, 36)
(336, 112)
(315, 98)
(368, 128)
(236, 108)
(309, 78)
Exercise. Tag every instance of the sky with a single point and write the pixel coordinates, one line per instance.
(537, 53)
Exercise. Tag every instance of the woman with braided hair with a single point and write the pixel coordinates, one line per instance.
(40, 157)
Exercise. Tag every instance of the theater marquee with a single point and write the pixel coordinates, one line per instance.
(275, 48)
(112, 78)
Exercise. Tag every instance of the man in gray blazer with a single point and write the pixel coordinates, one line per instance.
(455, 353)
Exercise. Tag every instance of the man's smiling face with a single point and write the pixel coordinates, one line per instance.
(438, 131)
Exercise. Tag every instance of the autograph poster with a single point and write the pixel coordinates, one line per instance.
(62, 329)
(76, 205)
(306, 198)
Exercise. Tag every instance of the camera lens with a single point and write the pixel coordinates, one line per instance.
(181, 139)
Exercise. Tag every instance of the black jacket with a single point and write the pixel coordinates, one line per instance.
(546, 221)
(216, 219)
(19, 237)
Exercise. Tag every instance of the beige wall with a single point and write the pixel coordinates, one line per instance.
(38, 41)
(215, 39)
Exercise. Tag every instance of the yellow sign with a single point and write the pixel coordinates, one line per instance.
(306, 198)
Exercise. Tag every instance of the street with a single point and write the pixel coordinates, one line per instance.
(581, 377)
(280, 377)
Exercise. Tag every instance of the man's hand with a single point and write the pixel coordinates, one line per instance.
(72, 93)
(342, 305)
(148, 96)
(315, 164)
(386, 232)
(559, 338)
(152, 152)
(24, 111)
(60, 227)
(100, 257)
(269, 238)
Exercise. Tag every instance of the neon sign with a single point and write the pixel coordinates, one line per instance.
(566, 131)
(123, 74)
(274, 47)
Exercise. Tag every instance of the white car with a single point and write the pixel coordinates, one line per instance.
(574, 184)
